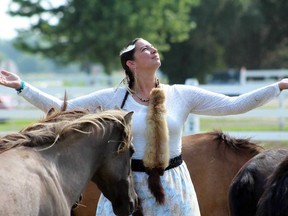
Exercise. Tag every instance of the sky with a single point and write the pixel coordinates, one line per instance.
(8, 24)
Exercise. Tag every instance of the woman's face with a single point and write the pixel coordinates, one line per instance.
(146, 56)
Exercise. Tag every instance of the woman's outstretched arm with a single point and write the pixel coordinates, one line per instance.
(33, 95)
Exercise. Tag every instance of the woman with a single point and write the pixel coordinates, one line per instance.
(159, 113)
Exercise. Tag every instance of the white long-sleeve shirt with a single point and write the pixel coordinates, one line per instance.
(180, 101)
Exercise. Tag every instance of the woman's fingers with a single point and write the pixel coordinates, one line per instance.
(9, 79)
(5, 73)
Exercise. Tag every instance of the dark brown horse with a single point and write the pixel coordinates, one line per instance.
(249, 184)
(274, 201)
(46, 166)
(212, 158)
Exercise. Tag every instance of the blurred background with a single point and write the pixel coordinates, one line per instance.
(228, 46)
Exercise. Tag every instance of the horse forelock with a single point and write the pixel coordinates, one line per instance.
(239, 145)
(117, 116)
(61, 124)
(87, 123)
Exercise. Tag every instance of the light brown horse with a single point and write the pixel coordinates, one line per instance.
(212, 158)
(45, 167)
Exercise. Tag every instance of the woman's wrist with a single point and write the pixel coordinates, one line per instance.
(22, 86)
(279, 86)
(283, 84)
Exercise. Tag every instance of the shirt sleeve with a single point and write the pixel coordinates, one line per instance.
(106, 98)
(205, 102)
(40, 99)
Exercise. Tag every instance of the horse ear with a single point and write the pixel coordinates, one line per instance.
(128, 117)
(64, 105)
(117, 108)
(50, 111)
(98, 109)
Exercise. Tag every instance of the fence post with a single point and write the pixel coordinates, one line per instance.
(192, 124)
(243, 77)
(281, 119)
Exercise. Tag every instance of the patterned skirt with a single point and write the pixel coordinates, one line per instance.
(180, 196)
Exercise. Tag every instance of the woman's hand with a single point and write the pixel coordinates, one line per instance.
(9, 79)
(283, 84)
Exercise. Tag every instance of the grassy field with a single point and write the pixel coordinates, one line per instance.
(14, 125)
(247, 124)
(206, 124)
(244, 124)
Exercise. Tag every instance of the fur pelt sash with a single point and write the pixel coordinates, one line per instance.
(156, 157)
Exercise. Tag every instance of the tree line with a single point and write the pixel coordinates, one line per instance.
(194, 37)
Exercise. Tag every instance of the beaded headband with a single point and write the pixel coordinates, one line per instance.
(127, 49)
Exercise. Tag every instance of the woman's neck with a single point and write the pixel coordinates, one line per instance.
(145, 85)
(142, 89)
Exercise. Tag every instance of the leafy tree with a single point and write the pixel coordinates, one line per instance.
(88, 31)
(28, 63)
(204, 51)
(259, 37)
(274, 33)
(213, 35)
(230, 34)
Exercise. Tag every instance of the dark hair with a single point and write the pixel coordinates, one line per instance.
(127, 54)
(124, 57)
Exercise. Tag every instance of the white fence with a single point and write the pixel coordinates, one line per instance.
(26, 111)
(262, 75)
(279, 111)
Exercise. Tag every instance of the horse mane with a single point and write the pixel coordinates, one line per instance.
(60, 124)
(239, 145)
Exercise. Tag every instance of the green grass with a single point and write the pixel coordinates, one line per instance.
(14, 125)
(206, 124)
(245, 124)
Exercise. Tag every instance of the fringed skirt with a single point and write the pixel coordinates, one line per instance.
(180, 196)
